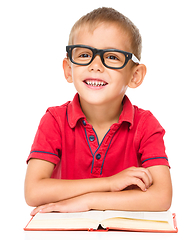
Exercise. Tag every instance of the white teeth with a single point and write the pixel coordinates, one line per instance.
(95, 83)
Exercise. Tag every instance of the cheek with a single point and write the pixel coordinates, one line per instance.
(122, 89)
(120, 78)
(76, 71)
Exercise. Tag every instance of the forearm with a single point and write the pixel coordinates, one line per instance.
(53, 190)
(130, 200)
(157, 197)
(41, 189)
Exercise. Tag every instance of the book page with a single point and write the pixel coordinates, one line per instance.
(79, 220)
(139, 220)
(92, 219)
(95, 215)
(155, 216)
(102, 215)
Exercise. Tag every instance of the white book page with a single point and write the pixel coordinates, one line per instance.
(81, 220)
(95, 215)
(101, 215)
(153, 216)
(93, 218)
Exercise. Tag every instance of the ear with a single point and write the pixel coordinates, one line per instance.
(67, 70)
(138, 76)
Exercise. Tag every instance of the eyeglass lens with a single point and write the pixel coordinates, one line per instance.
(84, 56)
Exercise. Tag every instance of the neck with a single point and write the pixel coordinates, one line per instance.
(102, 115)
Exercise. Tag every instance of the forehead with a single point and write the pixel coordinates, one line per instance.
(102, 37)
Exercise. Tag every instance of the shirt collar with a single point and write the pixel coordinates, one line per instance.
(127, 115)
(75, 112)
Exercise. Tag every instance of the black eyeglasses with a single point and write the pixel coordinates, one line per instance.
(111, 58)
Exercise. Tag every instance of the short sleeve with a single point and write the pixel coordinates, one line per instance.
(47, 142)
(151, 144)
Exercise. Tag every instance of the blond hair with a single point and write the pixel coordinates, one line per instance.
(110, 15)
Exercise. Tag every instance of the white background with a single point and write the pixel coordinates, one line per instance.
(33, 36)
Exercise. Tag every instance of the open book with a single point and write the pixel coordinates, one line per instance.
(106, 220)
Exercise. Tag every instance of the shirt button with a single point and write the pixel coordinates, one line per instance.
(91, 138)
(98, 156)
(84, 123)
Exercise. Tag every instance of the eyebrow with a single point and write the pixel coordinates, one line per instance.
(106, 48)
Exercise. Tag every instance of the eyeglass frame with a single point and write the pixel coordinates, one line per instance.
(100, 52)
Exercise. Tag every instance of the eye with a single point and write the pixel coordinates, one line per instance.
(81, 53)
(84, 55)
(112, 57)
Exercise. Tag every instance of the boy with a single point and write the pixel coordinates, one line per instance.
(99, 151)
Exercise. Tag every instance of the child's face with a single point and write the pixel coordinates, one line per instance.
(113, 82)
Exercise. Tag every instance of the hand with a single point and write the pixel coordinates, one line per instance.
(76, 204)
(140, 177)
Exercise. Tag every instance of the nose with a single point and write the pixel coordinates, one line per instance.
(96, 64)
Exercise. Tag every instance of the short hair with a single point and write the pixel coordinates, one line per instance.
(110, 15)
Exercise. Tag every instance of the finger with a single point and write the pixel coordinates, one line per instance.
(36, 210)
(141, 179)
(138, 182)
(49, 208)
(149, 175)
(144, 175)
(145, 178)
(33, 212)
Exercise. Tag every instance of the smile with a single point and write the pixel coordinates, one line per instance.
(95, 83)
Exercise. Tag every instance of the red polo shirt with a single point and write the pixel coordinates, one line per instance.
(65, 138)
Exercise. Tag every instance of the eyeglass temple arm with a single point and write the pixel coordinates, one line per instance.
(134, 59)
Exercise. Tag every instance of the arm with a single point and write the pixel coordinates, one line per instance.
(40, 189)
(157, 197)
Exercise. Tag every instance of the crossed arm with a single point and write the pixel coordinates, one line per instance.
(134, 189)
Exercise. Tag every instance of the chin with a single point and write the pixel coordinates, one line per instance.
(94, 99)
